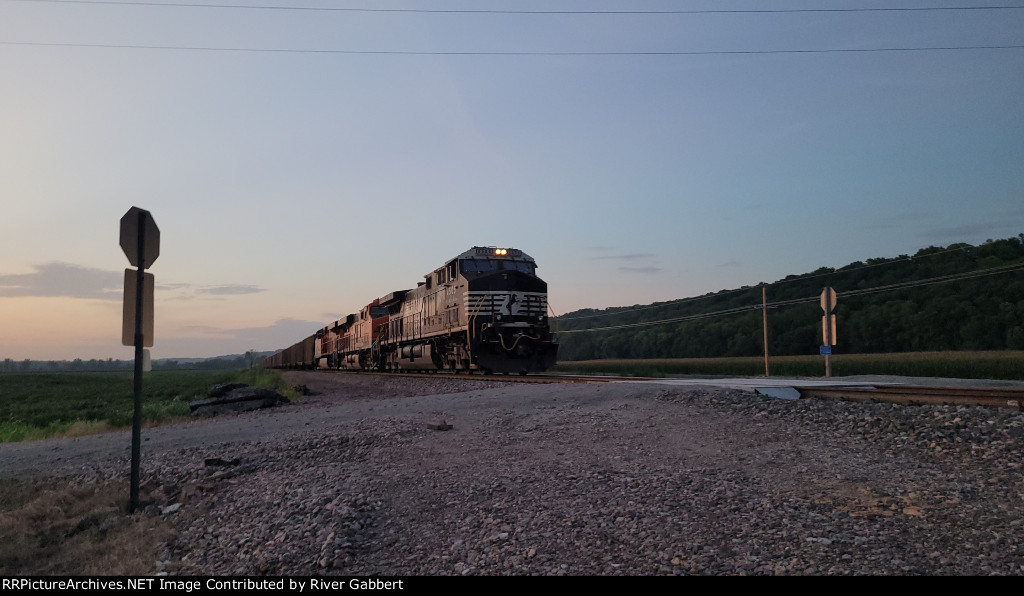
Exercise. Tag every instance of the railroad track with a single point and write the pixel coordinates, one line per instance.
(903, 394)
(531, 378)
(917, 395)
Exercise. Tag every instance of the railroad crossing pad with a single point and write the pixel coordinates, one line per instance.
(774, 387)
(778, 392)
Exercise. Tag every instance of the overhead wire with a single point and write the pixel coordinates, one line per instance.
(504, 53)
(934, 48)
(527, 11)
(810, 299)
(729, 311)
(844, 270)
(936, 280)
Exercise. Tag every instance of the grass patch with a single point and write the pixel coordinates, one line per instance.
(1008, 365)
(81, 428)
(41, 405)
(59, 527)
(265, 377)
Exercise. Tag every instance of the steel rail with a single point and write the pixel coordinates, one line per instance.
(920, 395)
(903, 394)
(479, 376)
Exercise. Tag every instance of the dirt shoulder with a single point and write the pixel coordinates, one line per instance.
(564, 479)
(333, 399)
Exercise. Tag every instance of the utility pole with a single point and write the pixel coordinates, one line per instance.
(764, 324)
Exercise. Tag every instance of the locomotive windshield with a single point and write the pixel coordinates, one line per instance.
(488, 265)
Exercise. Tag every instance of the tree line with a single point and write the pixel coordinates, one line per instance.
(960, 297)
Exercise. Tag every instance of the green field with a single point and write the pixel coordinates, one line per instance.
(40, 405)
(958, 365)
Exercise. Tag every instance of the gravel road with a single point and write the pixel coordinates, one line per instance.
(572, 479)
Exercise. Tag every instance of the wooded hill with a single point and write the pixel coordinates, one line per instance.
(960, 297)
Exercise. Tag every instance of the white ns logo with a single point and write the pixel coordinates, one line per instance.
(512, 304)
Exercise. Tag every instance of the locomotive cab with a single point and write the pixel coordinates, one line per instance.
(507, 305)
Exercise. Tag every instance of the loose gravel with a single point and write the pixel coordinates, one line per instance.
(586, 479)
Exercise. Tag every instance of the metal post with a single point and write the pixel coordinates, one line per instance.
(828, 343)
(828, 303)
(764, 324)
(137, 414)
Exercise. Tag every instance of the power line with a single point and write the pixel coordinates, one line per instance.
(737, 310)
(529, 12)
(730, 311)
(871, 265)
(653, 306)
(720, 294)
(937, 280)
(499, 53)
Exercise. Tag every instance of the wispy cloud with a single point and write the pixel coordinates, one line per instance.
(633, 262)
(971, 232)
(202, 339)
(65, 280)
(231, 289)
(284, 332)
(58, 279)
(626, 257)
(898, 220)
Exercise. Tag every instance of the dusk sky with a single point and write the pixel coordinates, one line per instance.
(301, 162)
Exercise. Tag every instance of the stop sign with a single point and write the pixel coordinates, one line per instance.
(133, 223)
(828, 300)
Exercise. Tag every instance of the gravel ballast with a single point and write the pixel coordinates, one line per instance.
(575, 479)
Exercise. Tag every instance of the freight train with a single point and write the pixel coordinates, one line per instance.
(484, 310)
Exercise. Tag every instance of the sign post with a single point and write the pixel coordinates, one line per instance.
(140, 241)
(828, 327)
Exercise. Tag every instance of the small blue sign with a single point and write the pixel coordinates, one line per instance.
(826, 350)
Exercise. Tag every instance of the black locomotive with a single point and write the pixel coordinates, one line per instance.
(486, 309)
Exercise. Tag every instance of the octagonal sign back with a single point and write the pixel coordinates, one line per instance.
(132, 224)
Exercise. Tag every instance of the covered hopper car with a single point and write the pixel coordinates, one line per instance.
(485, 309)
